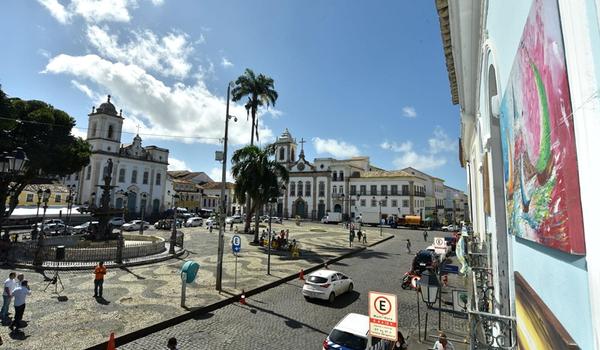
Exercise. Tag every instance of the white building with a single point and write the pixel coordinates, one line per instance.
(140, 170)
(353, 187)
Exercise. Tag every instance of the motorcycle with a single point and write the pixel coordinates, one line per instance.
(410, 279)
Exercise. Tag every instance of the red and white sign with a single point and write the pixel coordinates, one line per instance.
(383, 316)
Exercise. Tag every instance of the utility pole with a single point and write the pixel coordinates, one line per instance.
(222, 210)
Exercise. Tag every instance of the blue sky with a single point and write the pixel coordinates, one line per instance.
(354, 77)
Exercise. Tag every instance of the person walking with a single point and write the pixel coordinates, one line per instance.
(210, 225)
(20, 293)
(443, 343)
(99, 273)
(359, 234)
(408, 245)
(9, 286)
(172, 344)
(425, 234)
(364, 238)
(351, 236)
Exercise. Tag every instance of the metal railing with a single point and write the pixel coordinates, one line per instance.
(488, 330)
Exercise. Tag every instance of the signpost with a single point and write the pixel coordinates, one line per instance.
(440, 245)
(383, 316)
(236, 246)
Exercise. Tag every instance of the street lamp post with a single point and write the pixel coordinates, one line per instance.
(143, 211)
(271, 201)
(222, 202)
(39, 258)
(70, 203)
(11, 167)
(125, 196)
(380, 218)
(174, 228)
(429, 288)
(40, 193)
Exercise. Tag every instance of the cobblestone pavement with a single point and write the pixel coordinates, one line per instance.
(137, 297)
(280, 317)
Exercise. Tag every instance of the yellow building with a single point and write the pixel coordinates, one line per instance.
(58, 195)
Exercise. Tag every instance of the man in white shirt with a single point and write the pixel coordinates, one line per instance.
(7, 293)
(20, 293)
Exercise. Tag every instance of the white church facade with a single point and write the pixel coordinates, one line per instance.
(142, 171)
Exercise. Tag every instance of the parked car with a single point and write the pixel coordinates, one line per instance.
(116, 221)
(450, 228)
(425, 260)
(85, 227)
(193, 222)
(327, 285)
(167, 224)
(274, 220)
(48, 222)
(135, 225)
(236, 219)
(55, 228)
(212, 221)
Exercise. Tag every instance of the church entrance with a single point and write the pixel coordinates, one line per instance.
(337, 208)
(320, 210)
(131, 199)
(300, 208)
(280, 209)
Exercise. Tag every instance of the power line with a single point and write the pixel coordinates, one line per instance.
(20, 121)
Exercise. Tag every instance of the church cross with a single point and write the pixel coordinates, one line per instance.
(138, 129)
(302, 142)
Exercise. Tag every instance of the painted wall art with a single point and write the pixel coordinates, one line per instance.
(538, 143)
(537, 326)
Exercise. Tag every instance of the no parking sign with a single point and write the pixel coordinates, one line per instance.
(383, 316)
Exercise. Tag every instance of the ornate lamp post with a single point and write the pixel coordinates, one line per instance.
(39, 258)
(11, 167)
(380, 218)
(40, 192)
(174, 228)
(429, 288)
(124, 196)
(144, 196)
(70, 203)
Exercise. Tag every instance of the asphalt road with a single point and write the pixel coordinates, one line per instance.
(281, 318)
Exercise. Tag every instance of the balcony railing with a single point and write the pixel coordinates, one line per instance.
(488, 330)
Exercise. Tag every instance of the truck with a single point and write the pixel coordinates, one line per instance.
(413, 221)
(332, 218)
(368, 218)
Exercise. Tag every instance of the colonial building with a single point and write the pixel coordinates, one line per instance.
(140, 170)
(526, 74)
(353, 187)
(211, 195)
(187, 185)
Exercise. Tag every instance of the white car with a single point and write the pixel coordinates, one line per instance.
(193, 222)
(116, 221)
(135, 225)
(274, 220)
(212, 222)
(449, 228)
(55, 228)
(236, 219)
(352, 333)
(83, 227)
(326, 285)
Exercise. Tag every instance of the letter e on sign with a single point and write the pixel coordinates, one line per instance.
(383, 316)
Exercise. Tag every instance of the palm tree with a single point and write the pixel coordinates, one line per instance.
(256, 176)
(260, 91)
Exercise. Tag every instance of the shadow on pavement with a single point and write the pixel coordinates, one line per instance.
(102, 301)
(288, 321)
(131, 272)
(341, 301)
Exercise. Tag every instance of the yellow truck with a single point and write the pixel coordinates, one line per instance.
(412, 221)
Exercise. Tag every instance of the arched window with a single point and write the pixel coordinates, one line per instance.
(158, 179)
(155, 206)
(119, 203)
(110, 132)
(334, 176)
(300, 188)
(341, 189)
(94, 127)
(293, 156)
(281, 153)
(121, 175)
(334, 189)
(341, 176)
(292, 189)
(134, 177)
(88, 175)
(321, 189)
(307, 191)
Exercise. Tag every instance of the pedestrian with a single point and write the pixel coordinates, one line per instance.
(359, 234)
(351, 237)
(172, 344)
(210, 225)
(9, 286)
(425, 235)
(20, 294)
(99, 273)
(231, 226)
(364, 240)
(20, 278)
(408, 245)
(287, 234)
(443, 343)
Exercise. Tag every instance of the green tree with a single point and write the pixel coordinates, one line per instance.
(256, 176)
(260, 91)
(44, 133)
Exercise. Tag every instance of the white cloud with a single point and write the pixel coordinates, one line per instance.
(57, 10)
(173, 111)
(83, 88)
(428, 159)
(339, 149)
(226, 63)
(217, 173)
(440, 142)
(77, 132)
(409, 111)
(94, 11)
(176, 164)
(167, 55)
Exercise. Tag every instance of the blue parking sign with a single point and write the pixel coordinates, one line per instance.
(236, 244)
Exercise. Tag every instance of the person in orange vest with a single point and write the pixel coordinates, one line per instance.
(99, 273)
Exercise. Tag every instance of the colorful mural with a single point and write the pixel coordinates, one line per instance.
(538, 143)
(537, 327)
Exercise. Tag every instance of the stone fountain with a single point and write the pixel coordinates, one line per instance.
(103, 213)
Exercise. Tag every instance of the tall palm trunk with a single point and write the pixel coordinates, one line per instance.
(248, 203)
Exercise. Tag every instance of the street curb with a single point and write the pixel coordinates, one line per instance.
(140, 333)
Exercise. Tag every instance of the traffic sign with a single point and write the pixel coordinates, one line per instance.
(439, 242)
(450, 268)
(236, 244)
(383, 316)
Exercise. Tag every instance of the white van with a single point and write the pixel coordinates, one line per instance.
(352, 332)
(193, 222)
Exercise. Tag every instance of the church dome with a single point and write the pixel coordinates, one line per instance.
(107, 108)
(286, 136)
